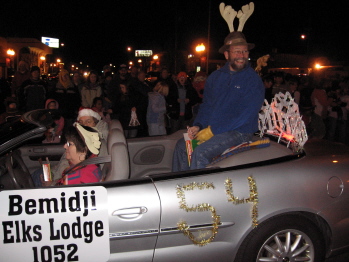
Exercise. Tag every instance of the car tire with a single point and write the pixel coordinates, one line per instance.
(283, 238)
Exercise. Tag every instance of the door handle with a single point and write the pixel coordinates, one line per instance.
(130, 212)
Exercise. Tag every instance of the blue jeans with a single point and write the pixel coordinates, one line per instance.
(205, 152)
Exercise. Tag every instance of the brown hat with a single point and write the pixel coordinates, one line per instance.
(233, 39)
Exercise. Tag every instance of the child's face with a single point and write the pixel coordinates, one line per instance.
(52, 105)
(99, 104)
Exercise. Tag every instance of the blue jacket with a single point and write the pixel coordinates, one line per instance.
(231, 101)
(156, 108)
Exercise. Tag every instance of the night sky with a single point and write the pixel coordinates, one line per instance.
(98, 33)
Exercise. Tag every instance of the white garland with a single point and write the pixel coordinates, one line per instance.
(281, 118)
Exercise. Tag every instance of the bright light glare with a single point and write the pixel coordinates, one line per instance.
(10, 52)
(200, 48)
(318, 66)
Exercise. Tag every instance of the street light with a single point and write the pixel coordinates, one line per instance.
(200, 48)
(43, 58)
(10, 53)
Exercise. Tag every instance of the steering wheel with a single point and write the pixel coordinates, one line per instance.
(18, 171)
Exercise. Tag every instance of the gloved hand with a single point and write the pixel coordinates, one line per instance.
(204, 135)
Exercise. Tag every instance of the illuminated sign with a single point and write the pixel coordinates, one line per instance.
(143, 53)
(51, 42)
(55, 224)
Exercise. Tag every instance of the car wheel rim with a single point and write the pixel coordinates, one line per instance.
(287, 246)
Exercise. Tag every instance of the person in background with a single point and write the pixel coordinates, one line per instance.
(141, 88)
(125, 104)
(77, 82)
(292, 86)
(228, 115)
(97, 106)
(90, 90)
(33, 92)
(20, 76)
(54, 133)
(199, 83)
(157, 109)
(268, 84)
(113, 88)
(180, 103)
(82, 143)
(68, 97)
(279, 83)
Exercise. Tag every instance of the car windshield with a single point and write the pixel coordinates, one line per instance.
(30, 125)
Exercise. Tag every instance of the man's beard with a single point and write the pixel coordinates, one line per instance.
(239, 66)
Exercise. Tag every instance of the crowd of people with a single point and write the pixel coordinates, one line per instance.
(219, 110)
(323, 102)
(165, 105)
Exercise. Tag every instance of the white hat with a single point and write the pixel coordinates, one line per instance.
(91, 139)
(88, 112)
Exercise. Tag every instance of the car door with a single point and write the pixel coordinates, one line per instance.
(31, 154)
(200, 200)
(134, 218)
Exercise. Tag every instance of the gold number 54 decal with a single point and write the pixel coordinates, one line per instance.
(183, 226)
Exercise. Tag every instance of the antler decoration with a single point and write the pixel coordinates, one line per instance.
(229, 14)
(243, 15)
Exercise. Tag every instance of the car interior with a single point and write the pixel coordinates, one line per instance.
(132, 158)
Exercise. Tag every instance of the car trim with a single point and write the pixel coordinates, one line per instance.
(212, 170)
(165, 231)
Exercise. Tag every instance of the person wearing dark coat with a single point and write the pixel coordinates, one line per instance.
(180, 103)
(33, 92)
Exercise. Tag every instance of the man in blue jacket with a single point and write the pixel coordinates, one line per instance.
(228, 116)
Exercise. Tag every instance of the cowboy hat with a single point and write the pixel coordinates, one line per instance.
(234, 39)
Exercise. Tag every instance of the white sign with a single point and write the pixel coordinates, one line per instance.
(143, 53)
(54, 224)
(51, 42)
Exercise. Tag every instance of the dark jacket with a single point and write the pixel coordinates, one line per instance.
(174, 106)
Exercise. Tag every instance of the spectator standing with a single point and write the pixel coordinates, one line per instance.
(157, 109)
(141, 88)
(268, 85)
(292, 86)
(68, 97)
(228, 115)
(125, 104)
(20, 76)
(166, 77)
(77, 81)
(32, 94)
(279, 83)
(113, 88)
(90, 90)
(180, 103)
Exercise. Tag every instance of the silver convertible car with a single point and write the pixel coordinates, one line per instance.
(272, 199)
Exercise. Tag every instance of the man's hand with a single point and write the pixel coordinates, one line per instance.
(192, 131)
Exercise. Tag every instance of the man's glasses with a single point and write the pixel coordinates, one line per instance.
(239, 52)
